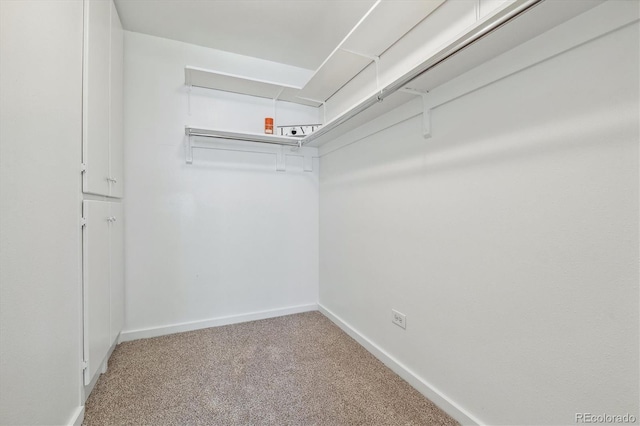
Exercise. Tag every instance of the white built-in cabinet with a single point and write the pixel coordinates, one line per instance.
(102, 147)
(116, 107)
(103, 284)
(102, 157)
(116, 270)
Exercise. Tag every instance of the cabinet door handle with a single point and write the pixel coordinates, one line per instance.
(110, 179)
(111, 219)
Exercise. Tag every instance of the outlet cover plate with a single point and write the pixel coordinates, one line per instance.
(399, 319)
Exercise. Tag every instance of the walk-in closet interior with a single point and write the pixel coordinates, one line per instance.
(327, 212)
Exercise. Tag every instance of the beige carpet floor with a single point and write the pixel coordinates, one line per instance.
(292, 370)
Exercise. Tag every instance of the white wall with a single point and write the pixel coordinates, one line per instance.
(509, 239)
(227, 235)
(40, 146)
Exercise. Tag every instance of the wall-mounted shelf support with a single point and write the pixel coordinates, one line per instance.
(324, 112)
(188, 150)
(266, 144)
(375, 59)
(275, 106)
(189, 87)
(426, 110)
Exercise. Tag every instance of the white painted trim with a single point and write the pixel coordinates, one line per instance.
(144, 333)
(87, 389)
(78, 417)
(425, 388)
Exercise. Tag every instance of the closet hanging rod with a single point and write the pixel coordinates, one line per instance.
(504, 16)
(246, 137)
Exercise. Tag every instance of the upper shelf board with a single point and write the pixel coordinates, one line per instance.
(217, 80)
(336, 71)
(387, 22)
(370, 38)
(293, 95)
(527, 23)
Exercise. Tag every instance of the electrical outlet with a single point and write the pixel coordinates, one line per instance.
(398, 319)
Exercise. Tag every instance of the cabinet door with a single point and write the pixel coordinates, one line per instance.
(116, 234)
(116, 157)
(95, 284)
(95, 101)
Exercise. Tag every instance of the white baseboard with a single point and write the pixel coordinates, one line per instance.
(422, 386)
(129, 335)
(78, 417)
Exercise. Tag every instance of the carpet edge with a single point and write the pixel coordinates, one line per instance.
(425, 388)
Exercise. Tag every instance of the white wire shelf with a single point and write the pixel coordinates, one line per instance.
(268, 144)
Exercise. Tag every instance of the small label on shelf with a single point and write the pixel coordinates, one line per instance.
(298, 131)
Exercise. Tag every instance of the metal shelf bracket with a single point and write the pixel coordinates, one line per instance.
(373, 58)
(189, 89)
(188, 150)
(426, 110)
